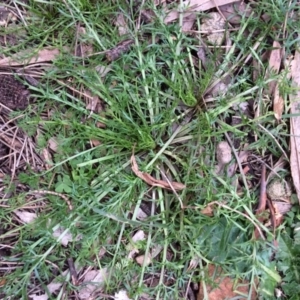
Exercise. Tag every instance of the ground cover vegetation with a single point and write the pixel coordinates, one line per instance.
(149, 149)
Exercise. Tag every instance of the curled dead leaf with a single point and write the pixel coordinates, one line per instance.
(208, 210)
(152, 181)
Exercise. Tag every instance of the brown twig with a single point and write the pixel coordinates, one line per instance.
(262, 200)
(263, 192)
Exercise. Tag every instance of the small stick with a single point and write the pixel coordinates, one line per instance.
(73, 271)
(262, 199)
(44, 192)
(263, 191)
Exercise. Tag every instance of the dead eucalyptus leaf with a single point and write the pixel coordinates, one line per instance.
(274, 65)
(152, 181)
(295, 124)
(26, 57)
(278, 103)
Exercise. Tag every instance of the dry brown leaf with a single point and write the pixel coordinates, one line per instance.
(52, 287)
(194, 6)
(208, 210)
(25, 58)
(155, 182)
(274, 65)
(295, 124)
(188, 22)
(226, 287)
(233, 12)
(140, 259)
(278, 103)
(121, 24)
(95, 143)
(156, 249)
(82, 49)
(97, 279)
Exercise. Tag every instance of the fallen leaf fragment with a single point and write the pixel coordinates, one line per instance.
(82, 49)
(47, 158)
(138, 236)
(39, 297)
(234, 12)
(121, 24)
(52, 287)
(152, 181)
(140, 259)
(278, 103)
(102, 70)
(26, 57)
(53, 144)
(208, 210)
(156, 249)
(213, 24)
(274, 65)
(141, 215)
(121, 295)
(67, 236)
(25, 216)
(93, 102)
(193, 6)
(224, 287)
(295, 124)
(95, 280)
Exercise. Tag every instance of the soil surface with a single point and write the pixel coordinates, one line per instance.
(14, 94)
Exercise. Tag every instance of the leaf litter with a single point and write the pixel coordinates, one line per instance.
(22, 148)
